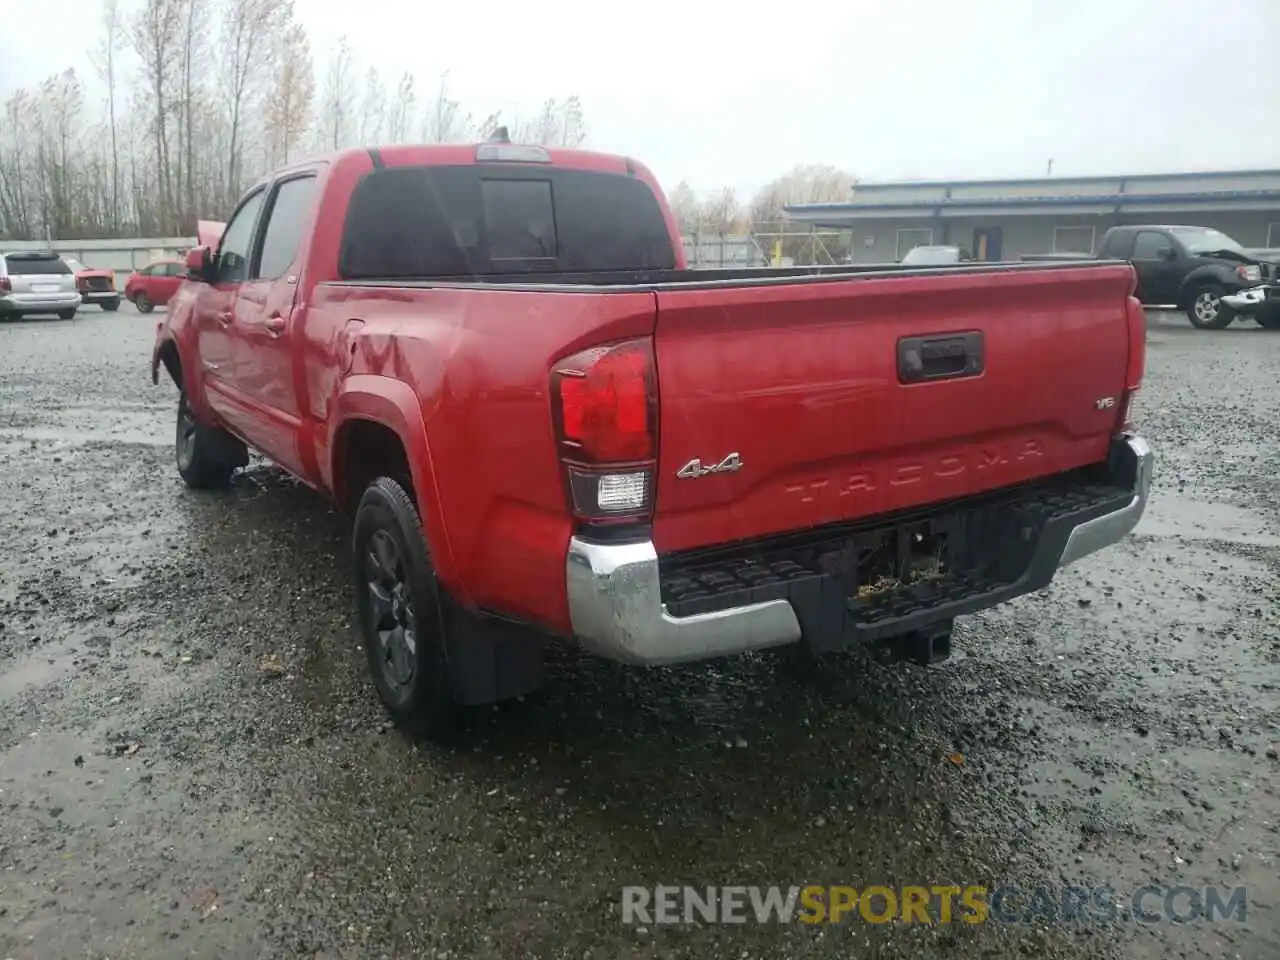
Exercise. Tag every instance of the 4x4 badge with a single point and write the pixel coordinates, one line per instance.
(694, 468)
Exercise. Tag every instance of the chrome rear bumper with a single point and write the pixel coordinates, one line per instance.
(615, 595)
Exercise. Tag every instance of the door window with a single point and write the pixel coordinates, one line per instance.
(285, 224)
(233, 252)
(1118, 244)
(1147, 245)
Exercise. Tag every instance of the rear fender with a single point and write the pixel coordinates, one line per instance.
(393, 404)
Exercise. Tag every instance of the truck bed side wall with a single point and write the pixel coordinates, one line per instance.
(479, 363)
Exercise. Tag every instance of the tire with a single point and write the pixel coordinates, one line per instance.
(1204, 308)
(403, 611)
(202, 453)
(66, 314)
(1269, 319)
(110, 306)
(143, 303)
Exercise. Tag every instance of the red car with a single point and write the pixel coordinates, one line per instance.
(95, 285)
(154, 284)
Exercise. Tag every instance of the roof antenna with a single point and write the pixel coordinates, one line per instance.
(500, 135)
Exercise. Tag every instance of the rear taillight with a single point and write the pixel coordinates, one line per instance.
(1137, 362)
(5, 285)
(604, 405)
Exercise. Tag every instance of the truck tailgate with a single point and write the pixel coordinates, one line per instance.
(803, 381)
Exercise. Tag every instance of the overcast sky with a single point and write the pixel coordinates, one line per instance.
(736, 93)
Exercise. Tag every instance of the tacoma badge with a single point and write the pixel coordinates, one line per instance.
(694, 468)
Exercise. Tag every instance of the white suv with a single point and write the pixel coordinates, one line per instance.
(37, 282)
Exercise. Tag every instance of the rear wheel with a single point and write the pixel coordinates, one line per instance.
(111, 306)
(66, 314)
(206, 456)
(1205, 310)
(143, 303)
(402, 610)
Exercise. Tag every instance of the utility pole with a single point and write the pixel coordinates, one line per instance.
(1049, 172)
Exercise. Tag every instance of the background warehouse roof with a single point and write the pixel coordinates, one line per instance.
(1148, 193)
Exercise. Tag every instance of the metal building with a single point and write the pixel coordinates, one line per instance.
(1005, 219)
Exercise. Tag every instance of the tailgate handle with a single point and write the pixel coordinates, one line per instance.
(946, 357)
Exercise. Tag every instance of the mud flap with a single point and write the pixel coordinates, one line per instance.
(491, 659)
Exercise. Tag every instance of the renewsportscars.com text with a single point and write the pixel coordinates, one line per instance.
(930, 904)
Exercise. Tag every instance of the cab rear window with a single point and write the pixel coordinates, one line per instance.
(26, 265)
(473, 221)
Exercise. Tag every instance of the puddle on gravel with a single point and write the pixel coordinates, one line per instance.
(1186, 519)
(147, 431)
(1125, 809)
(33, 672)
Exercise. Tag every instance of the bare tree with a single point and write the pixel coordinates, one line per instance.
(572, 124)
(154, 34)
(194, 34)
(721, 213)
(16, 169)
(65, 100)
(802, 184)
(110, 41)
(684, 206)
(339, 97)
(251, 30)
(372, 108)
(402, 110)
(288, 107)
(489, 126)
(443, 124)
(224, 92)
(557, 124)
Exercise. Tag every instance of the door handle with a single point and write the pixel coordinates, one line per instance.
(944, 357)
(275, 324)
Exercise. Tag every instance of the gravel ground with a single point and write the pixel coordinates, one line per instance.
(193, 764)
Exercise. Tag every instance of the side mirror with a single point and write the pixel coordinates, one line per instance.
(199, 264)
(1167, 253)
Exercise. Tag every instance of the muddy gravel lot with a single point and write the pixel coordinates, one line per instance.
(193, 764)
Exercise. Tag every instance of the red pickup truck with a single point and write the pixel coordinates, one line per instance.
(543, 425)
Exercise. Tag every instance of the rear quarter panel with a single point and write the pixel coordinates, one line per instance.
(478, 362)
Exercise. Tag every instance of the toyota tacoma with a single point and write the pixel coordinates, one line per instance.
(544, 426)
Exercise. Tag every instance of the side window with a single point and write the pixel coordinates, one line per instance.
(1119, 245)
(168, 270)
(233, 252)
(148, 270)
(1148, 243)
(285, 223)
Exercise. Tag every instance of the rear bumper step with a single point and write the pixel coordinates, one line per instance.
(626, 604)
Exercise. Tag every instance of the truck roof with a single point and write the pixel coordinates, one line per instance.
(444, 154)
(1159, 226)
